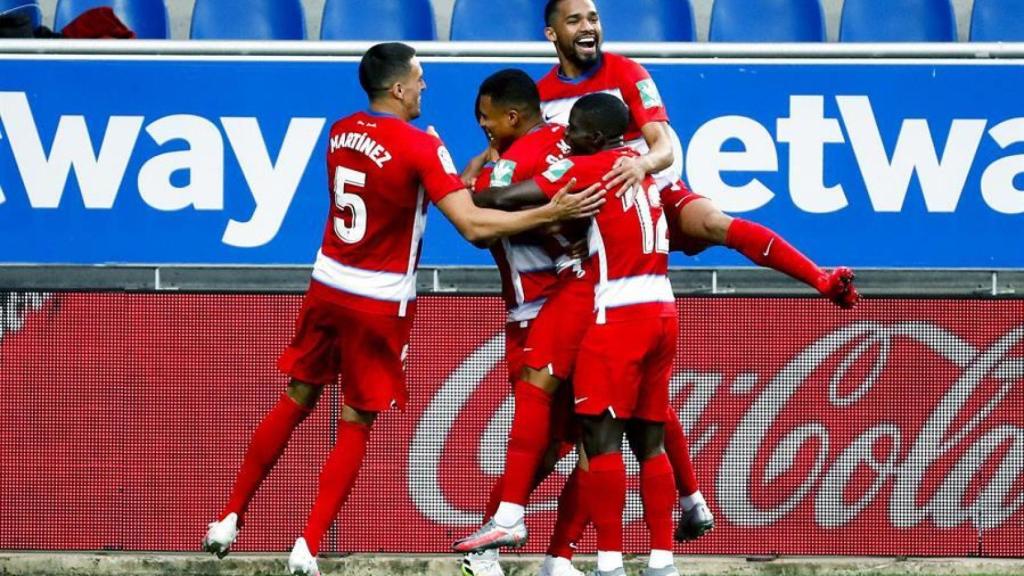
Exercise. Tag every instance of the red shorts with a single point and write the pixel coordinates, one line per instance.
(673, 199)
(556, 333)
(366, 349)
(515, 345)
(624, 367)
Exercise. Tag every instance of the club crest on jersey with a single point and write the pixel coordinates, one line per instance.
(446, 160)
(649, 93)
(502, 173)
(557, 170)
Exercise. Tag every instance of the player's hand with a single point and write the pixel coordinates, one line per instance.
(584, 204)
(627, 173)
(476, 165)
(838, 287)
(579, 250)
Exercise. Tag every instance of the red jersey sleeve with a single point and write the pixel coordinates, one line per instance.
(641, 94)
(436, 168)
(483, 179)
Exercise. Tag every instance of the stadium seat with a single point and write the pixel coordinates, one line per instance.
(997, 21)
(897, 21)
(649, 20)
(147, 18)
(31, 7)
(767, 21)
(249, 20)
(378, 20)
(497, 20)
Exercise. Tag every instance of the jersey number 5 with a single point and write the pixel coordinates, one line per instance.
(356, 228)
(655, 234)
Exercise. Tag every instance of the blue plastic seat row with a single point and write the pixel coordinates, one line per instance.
(521, 20)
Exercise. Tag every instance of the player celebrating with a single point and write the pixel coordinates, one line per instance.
(356, 317)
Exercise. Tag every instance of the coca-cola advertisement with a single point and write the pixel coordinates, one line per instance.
(896, 428)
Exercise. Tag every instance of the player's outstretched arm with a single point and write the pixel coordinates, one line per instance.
(484, 224)
(514, 197)
(630, 171)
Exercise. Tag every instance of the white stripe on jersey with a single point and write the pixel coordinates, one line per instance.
(419, 225)
(634, 290)
(557, 111)
(377, 285)
(525, 311)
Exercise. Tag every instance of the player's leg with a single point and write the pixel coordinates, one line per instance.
(701, 220)
(657, 491)
(337, 477)
(603, 487)
(570, 524)
(696, 519)
(371, 351)
(311, 363)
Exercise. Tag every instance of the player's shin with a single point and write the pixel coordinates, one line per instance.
(658, 495)
(336, 480)
(765, 247)
(604, 491)
(572, 518)
(528, 440)
(266, 446)
(677, 447)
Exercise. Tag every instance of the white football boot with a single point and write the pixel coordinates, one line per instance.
(221, 535)
(301, 561)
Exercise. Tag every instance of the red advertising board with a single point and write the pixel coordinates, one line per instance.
(896, 428)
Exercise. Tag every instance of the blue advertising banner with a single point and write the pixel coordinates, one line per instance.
(221, 160)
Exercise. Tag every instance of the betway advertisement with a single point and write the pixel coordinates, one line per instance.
(221, 160)
(893, 429)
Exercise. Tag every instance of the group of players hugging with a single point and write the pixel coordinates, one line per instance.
(578, 195)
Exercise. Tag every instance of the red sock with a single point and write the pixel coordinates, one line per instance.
(528, 439)
(604, 491)
(659, 498)
(493, 499)
(766, 248)
(572, 518)
(336, 479)
(265, 447)
(677, 448)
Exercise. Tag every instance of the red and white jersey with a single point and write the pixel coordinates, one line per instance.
(628, 81)
(528, 265)
(381, 171)
(628, 241)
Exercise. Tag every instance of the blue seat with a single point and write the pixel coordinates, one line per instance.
(147, 18)
(897, 21)
(483, 20)
(648, 20)
(377, 20)
(248, 20)
(767, 21)
(997, 21)
(30, 7)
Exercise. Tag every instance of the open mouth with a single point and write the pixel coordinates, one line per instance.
(586, 44)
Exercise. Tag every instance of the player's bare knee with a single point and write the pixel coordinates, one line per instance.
(304, 394)
(602, 434)
(542, 379)
(716, 225)
(646, 439)
(357, 416)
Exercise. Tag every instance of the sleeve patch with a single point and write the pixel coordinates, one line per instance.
(649, 93)
(555, 172)
(446, 160)
(502, 173)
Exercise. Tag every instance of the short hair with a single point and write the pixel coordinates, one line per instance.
(511, 87)
(382, 64)
(549, 11)
(601, 112)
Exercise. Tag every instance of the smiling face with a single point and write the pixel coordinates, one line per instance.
(410, 89)
(575, 28)
(499, 123)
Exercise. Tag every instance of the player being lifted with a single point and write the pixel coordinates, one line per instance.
(356, 317)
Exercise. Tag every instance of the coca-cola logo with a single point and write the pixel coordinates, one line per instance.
(948, 460)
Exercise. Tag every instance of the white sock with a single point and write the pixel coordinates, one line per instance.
(508, 514)
(660, 559)
(552, 563)
(608, 561)
(688, 502)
